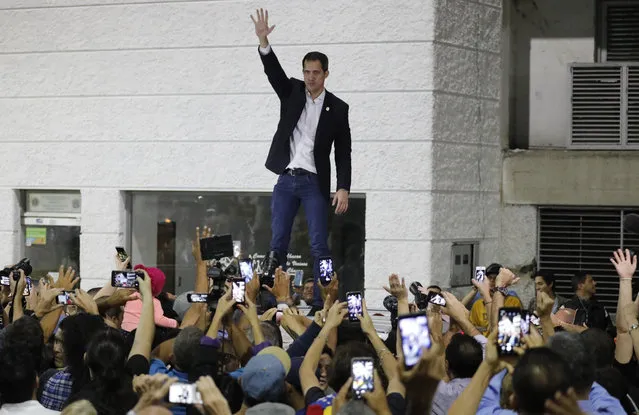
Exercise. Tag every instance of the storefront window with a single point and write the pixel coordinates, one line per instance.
(163, 226)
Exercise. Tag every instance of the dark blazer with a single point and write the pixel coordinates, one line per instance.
(332, 127)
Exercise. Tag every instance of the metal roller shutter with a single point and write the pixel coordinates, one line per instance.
(573, 240)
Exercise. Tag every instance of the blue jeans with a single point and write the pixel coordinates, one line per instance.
(288, 193)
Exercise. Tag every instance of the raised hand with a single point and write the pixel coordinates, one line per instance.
(397, 287)
(366, 322)
(66, 280)
(195, 245)
(624, 263)
(505, 278)
(281, 287)
(85, 302)
(336, 314)
(262, 29)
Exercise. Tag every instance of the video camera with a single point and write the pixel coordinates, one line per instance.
(421, 300)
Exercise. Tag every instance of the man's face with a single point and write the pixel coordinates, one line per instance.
(589, 285)
(541, 286)
(58, 349)
(314, 76)
(324, 363)
(307, 294)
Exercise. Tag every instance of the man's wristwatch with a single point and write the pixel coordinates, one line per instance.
(501, 290)
(633, 327)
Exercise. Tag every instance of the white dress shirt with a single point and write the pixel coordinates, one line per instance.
(26, 408)
(302, 142)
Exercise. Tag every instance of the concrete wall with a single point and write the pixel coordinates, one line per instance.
(546, 37)
(466, 131)
(89, 86)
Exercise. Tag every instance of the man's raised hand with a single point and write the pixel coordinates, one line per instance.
(262, 29)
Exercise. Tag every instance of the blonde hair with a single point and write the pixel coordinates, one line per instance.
(82, 407)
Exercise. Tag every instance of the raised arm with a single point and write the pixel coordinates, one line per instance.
(272, 67)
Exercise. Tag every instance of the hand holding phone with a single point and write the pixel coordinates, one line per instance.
(125, 279)
(480, 274)
(238, 290)
(246, 269)
(325, 270)
(354, 304)
(184, 394)
(363, 373)
(437, 299)
(64, 298)
(415, 336)
(509, 330)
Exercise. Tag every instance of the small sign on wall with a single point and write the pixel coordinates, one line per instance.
(36, 236)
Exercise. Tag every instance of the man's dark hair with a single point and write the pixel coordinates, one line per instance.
(340, 369)
(19, 362)
(601, 345)
(548, 277)
(464, 355)
(316, 56)
(186, 347)
(579, 278)
(539, 374)
(581, 362)
(434, 287)
(492, 270)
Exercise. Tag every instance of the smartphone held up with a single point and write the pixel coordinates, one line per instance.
(363, 373)
(415, 337)
(125, 279)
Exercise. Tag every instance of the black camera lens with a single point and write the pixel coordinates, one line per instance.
(414, 288)
(390, 303)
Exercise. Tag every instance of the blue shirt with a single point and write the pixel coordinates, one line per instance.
(158, 366)
(599, 400)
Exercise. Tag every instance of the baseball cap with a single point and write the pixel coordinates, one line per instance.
(280, 354)
(264, 377)
(270, 408)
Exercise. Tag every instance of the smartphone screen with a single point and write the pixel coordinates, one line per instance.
(27, 289)
(437, 299)
(239, 289)
(480, 273)
(197, 298)
(122, 255)
(299, 278)
(246, 269)
(5, 280)
(509, 330)
(415, 335)
(63, 298)
(362, 371)
(354, 304)
(124, 279)
(325, 270)
(525, 323)
(535, 320)
(185, 394)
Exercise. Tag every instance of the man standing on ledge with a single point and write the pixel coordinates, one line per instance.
(311, 119)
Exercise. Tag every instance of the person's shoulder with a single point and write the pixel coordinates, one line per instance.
(337, 102)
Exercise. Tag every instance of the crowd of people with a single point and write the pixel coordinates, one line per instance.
(140, 351)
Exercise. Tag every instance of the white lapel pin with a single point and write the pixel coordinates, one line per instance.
(328, 108)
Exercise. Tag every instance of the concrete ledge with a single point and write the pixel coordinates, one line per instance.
(562, 177)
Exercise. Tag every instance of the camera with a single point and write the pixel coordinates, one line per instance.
(421, 300)
(24, 265)
(270, 264)
(219, 272)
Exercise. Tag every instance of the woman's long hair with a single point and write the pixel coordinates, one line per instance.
(77, 332)
(110, 382)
